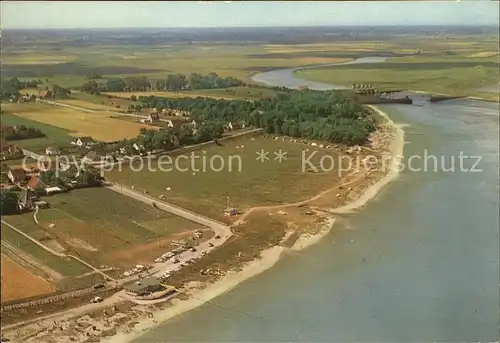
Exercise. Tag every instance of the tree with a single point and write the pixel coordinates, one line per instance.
(8, 202)
(60, 92)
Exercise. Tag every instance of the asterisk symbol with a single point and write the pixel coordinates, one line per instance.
(262, 156)
(280, 155)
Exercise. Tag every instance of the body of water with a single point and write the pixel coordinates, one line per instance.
(418, 263)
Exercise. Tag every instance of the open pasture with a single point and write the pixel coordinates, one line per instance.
(235, 174)
(54, 136)
(99, 223)
(20, 283)
(79, 123)
(249, 93)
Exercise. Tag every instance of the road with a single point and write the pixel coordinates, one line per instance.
(58, 254)
(221, 230)
(138, 116)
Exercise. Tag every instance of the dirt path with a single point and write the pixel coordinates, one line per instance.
(241, 220)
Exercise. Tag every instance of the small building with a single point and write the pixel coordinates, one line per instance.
(92, 157)
(9, 150)
(17, 175)
(45, 94)
(153, 118)
(36, 185)
(41, 204)
(51, 151)
(26, 200)
(170, 124)
(150, 288)
(83, 141)
(53, 190)
(231, 211)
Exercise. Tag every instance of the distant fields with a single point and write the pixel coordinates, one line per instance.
(248, 93)
(77, 123)
(463, 72)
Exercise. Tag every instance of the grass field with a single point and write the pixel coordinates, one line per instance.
(222, 93)
(256, 184)
(78, 123)
(55, 136)
(20, 283)
(63, 266)
(465, 73)
(99, 224)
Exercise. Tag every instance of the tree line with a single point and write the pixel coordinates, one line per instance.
(11, 88)
(321, 115)
(19, 132)
(173, 82)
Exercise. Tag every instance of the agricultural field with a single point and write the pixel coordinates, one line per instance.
(78, 123)
(20, 283)
(248, 93)
(246, 181)
(456, 68)
(54, 267)
(54, 136)
(107, 227)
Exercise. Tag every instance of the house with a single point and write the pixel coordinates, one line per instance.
(153, 117)
(9, 150)
(94, 157)
(26, 200)
(17, 175)
(36, 185)
(231, 211)
(51, 151)
(148, 288)
(193, 124)
(170, 124)
(45, 94)
(52, 190)
(83, 141)
(41, 204)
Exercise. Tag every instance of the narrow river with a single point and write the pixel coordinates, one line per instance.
(419, 263)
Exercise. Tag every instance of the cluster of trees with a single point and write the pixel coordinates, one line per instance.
(8, 202)
(20, 132)
(321, 115)
(60, 92)
(88, 176)
(169, 138)
(174, 82)
(10, 88)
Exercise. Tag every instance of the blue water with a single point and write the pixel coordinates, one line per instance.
(420, 263)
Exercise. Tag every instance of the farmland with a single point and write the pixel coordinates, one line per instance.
(224, 93)
(456, 68)
(25, 284)
(78, 123)
(256, 183)
(101, 224)
(54, 135)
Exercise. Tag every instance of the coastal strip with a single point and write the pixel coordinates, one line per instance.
(271, 256)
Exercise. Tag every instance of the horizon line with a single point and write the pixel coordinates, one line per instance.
(246, 27)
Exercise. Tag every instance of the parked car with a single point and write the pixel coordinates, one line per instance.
(96, 300)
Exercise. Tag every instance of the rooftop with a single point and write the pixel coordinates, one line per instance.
(142, 284)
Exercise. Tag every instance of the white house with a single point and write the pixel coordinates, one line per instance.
(51, 151)
(83, 141)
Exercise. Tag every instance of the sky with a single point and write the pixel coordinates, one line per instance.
(104, 14)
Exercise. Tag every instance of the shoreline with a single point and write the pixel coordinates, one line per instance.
(269, 257)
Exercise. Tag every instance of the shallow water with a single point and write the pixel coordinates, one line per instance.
(419, 263)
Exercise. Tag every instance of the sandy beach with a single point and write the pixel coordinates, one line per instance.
(271, 256)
